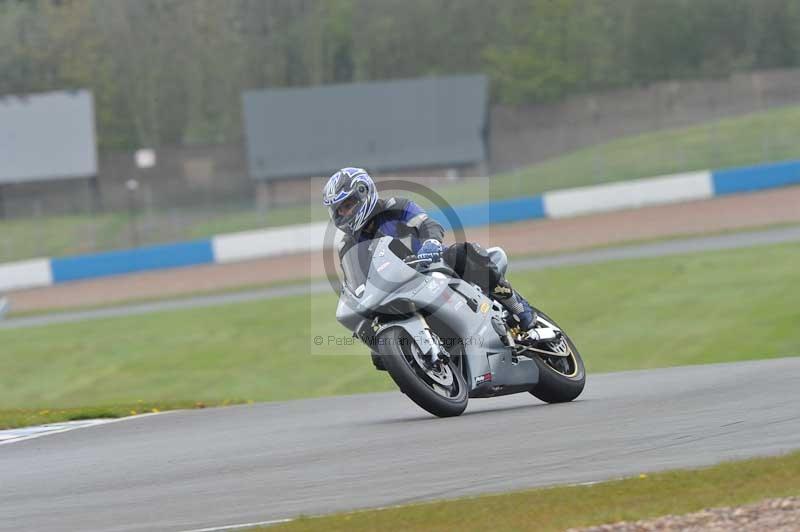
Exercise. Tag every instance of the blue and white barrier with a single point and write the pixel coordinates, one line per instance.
(25, 274)
(305, 238)
(492, 212)
(628, 194)
(268, 242)
(131, 260)
(754, 178)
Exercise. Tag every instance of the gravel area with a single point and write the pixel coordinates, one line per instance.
(772, 515)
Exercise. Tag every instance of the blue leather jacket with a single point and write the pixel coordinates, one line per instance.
(400, 218)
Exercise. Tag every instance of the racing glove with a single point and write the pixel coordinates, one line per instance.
(431, 250)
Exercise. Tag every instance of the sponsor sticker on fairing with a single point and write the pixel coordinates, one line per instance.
(486, 377)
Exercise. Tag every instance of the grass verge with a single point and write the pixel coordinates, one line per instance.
(739, 141)
(551, 509)
(635, 314)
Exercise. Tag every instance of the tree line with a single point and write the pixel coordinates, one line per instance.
(171, 72)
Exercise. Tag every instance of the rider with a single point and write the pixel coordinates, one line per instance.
(354, 206)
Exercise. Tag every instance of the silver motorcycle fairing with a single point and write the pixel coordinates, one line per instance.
(400, 295)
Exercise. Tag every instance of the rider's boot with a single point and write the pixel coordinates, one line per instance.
(520, 313)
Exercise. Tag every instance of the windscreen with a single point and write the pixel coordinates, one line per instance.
(355, 264)
(357, 260)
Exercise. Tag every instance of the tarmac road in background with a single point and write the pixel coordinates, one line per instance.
(189, 470)
(657, 249)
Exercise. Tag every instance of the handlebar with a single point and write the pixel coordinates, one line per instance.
(413, 259)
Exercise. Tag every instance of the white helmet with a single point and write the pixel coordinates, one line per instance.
(350, 196)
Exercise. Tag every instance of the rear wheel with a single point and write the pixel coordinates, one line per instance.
(438, 388)
(562, 375)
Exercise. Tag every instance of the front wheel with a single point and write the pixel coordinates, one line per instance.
(562, 376)
(439, 389)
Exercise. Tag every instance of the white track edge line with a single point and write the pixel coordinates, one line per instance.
(239, 526)
(69, 429)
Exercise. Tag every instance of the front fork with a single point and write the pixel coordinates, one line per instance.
(417, 329)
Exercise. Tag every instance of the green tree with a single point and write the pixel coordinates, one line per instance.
(166, 72)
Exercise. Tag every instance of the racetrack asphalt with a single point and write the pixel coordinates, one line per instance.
(189, 470)
(656, 249)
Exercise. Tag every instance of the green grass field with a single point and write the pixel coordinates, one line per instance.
(712, 307)
(749, 139)
(559, 508)
(741, 141)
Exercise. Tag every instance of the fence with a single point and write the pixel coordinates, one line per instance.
(195, 192)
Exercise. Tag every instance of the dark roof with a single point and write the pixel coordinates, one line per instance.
(47, 136)
(378, 125)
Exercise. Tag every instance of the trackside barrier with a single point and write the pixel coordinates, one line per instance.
(270, 242)
(132, 260)
(628, 194)
(753, 178)
(309, 237)
(492, 212)
(25, 274)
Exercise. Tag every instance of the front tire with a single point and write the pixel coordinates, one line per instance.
(420, 383)
(561, 379)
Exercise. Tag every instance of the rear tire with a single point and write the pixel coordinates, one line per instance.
(559, 384)
(413, 381)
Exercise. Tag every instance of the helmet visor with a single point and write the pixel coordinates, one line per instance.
(345, 211)
(347, 208)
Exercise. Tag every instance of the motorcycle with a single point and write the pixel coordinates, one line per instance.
(442, 340)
